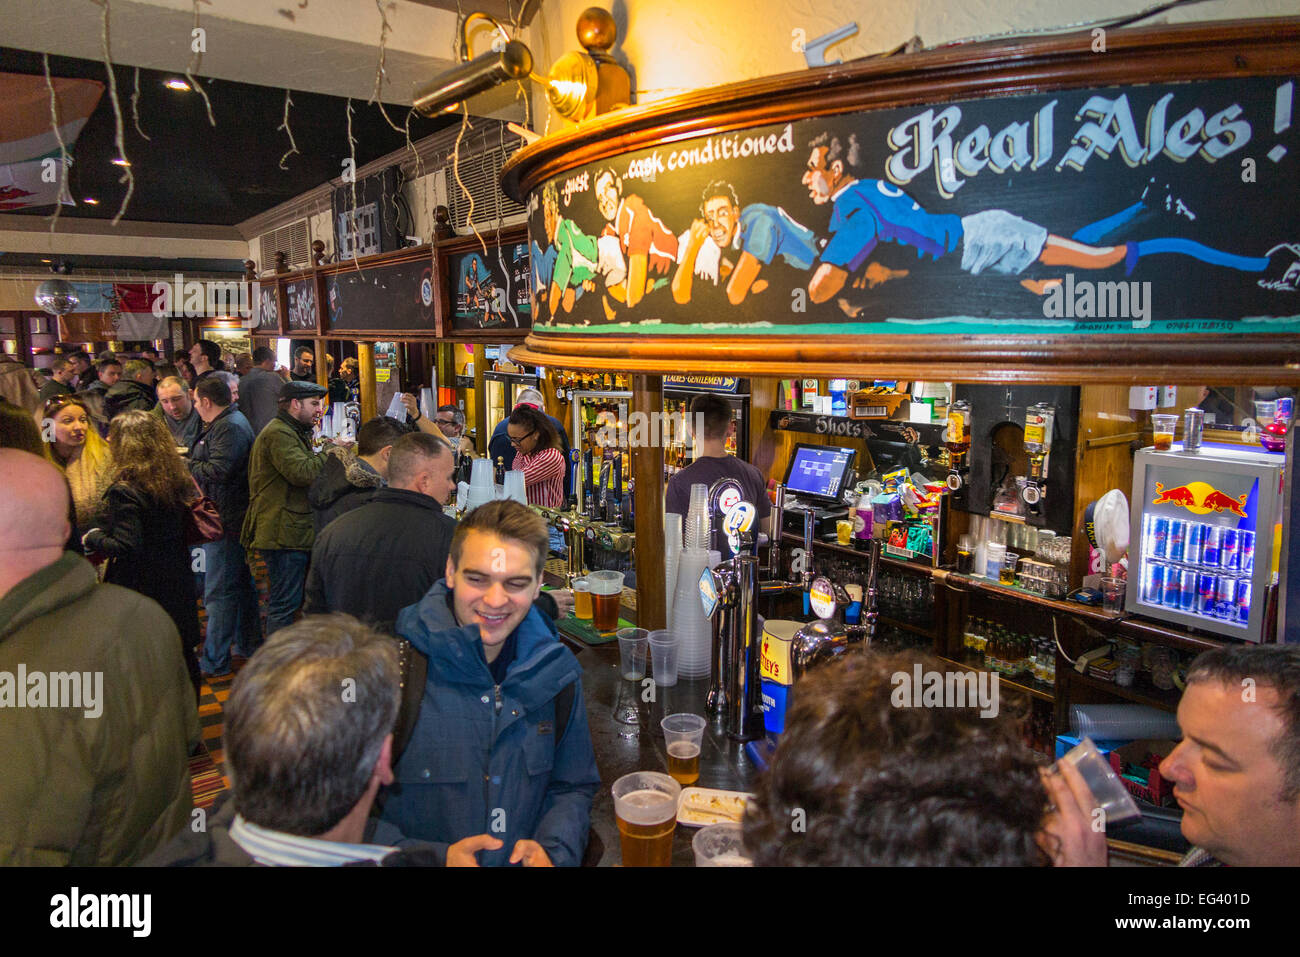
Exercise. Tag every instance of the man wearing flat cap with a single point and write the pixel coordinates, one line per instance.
(281, 467)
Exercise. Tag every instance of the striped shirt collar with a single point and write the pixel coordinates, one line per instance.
(278, 849)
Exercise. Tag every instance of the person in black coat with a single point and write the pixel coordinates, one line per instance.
(144, 534)
(134, 390)
(350, 476)
(378, 558)
(219, 463)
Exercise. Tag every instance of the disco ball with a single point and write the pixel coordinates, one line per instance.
(57, 297)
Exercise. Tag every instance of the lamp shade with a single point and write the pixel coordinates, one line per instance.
(57, 297)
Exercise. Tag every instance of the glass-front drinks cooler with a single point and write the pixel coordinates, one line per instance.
(1202, 539)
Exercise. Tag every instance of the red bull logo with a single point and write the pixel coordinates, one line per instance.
(1200, 498)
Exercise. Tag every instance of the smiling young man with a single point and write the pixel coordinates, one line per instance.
(501, 745)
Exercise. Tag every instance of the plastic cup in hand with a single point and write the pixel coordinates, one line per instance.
(606, 590)
(633, 646)
(1112, 593)
(684, 735)
(720, 845)
(645, 807)
(663, 658)
(1108, 791)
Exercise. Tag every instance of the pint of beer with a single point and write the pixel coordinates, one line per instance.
(645, 807)
(606, 590)
(582, 599)
(684, 762)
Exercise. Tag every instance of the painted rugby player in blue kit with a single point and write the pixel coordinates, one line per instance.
(867, 212)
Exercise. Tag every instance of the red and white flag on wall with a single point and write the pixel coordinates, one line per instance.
(27, 140)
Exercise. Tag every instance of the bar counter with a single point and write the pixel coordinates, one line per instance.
(623, 748)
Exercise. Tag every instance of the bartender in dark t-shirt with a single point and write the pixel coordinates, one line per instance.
(710, 424)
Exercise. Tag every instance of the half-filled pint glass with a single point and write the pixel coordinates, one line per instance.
(645, 807)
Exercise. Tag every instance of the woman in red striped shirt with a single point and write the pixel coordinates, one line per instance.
(538, 455)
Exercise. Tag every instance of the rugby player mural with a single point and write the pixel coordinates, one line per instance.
(1152, 209)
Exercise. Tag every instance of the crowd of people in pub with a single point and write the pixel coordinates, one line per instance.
(406, 700)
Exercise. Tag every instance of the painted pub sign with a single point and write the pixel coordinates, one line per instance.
(1145, 209)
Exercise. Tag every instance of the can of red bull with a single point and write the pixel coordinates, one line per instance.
(1282, 411)
(1246, 546)
(1172, 596)
(1153, 583)
(1225, 598)
(1211, 546)
(1187, 589)
(1243, 600)
(1195, 543)
(1177, 539)
(1230, 551)
(1207, 587)
(1158, 546)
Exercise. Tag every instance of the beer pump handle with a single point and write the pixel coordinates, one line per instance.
(809, 530)
(778, 526)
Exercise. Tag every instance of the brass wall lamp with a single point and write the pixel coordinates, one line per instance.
(579, 85)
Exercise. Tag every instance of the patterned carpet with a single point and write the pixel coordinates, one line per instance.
(207, 768)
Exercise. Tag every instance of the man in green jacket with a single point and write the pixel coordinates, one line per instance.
(97, 715)
(281, 467)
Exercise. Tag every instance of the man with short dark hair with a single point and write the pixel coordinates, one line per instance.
(502, 704)
(219, 463)
(260, 389)
(176, 408)
(133, 390)
(60, 380)
(346, 387)
(205, 356)
(281, 467)
(306, 761)
(386, 554)
(108, 372)
(711, 423)
(888, 784)
(304, 365)
(100, 778)
(83, 367)
(350, 476)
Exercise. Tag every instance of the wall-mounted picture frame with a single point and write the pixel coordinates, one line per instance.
(484, 286)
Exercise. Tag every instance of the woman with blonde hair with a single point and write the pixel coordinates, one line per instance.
(144, 533)
(75, 446)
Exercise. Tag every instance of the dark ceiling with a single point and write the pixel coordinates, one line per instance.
(192, 172)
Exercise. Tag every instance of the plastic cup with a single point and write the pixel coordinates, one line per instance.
(645, 807)
(582, 599)
(633, 645)
(1007, 574)
(663, 658)
(720, 845)
(1107, 789)
(1163, 428)
(684, 736)
(606, 589)
(1112, 593)
(514, 487)
(481, 474)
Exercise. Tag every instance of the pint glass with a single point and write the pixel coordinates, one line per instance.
(582, 599)
(645, 806)
(606, 590)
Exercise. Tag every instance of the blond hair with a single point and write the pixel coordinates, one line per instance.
(88, 470)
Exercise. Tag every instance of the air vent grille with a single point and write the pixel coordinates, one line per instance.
(292, 240)
(481, 174)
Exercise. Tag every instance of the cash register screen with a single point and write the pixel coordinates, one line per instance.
(818, 471)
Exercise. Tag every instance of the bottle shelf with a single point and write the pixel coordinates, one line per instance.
(1004, 681)
(1140, 692)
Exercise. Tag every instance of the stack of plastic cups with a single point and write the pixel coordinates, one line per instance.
(695, 631)
(514, 487)
(672, 554)
(481, 487)
(696, 528)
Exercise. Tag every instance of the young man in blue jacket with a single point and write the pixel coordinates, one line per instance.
(501, 745)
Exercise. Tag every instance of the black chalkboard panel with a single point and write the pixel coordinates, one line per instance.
(268, 309)
(301, 298)
(390, 296)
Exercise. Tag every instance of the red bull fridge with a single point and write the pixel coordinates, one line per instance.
(1202, 540)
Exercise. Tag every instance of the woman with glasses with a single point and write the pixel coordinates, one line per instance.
(143, 534)
(538, 455)
(75, 446)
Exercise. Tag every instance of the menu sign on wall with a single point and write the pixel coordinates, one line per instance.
(1152, 209)
(300, 295)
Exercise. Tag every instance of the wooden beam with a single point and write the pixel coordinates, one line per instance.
(366, 371)
(481, 432)
(648, 473)
(322, 362)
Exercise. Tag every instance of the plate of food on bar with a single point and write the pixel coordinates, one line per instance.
(701, 806)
